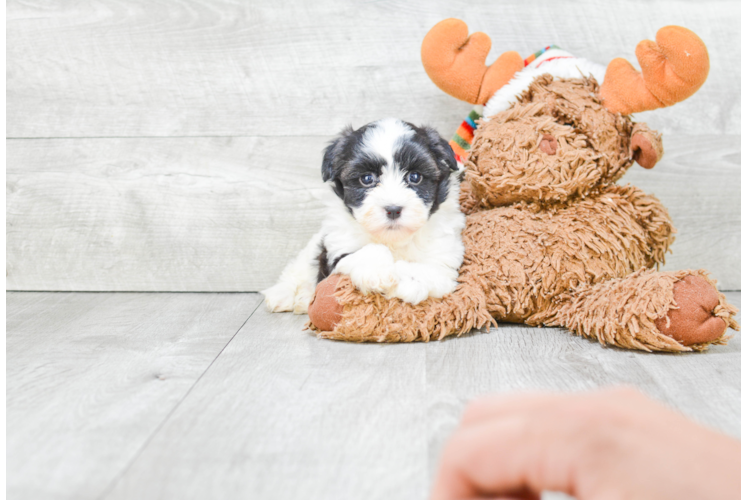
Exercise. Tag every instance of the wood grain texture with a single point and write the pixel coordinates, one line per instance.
(282, 414)
(90, 377)
(699, 184)
(742, 215)
(209, 214)
(162, 68)
(226, 214)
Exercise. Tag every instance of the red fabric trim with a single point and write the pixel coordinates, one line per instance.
(552, 58)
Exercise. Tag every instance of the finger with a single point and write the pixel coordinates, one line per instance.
(498, 405)
(506, 455)
(521, 495)
(494, 406)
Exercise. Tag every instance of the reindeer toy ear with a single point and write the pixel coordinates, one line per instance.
(456, 62)
(673, 69)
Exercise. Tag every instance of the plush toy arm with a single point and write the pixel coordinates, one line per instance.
(340, 311)
(646, 145)
(456, 62)
(673, 69)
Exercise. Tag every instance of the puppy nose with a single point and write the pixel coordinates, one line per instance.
(393, 212)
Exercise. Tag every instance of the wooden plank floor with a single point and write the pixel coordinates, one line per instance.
(165, 395)
(91, 377)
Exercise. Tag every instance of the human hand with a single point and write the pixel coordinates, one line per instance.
(609, 444)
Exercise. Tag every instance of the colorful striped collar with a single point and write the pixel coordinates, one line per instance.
(540, 53)
(463, 138)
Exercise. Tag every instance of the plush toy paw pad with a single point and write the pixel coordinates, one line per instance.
(693, 322)
(325, 311)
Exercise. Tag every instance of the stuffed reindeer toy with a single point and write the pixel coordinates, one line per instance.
(551, 238)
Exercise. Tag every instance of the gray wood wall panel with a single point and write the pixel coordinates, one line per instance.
(197, 214)
(189, 134)
(282, 414)
(226, 214)
(90, 377)
(145, 68)
(742, 216)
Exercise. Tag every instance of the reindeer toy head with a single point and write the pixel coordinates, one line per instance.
(558, 111)
(550, 238)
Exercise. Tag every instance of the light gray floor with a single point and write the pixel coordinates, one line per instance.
(167, 395)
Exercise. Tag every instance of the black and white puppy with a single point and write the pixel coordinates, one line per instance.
(395, 226)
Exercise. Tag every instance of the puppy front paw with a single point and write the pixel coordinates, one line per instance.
(374, 280)
(371, 269)
(411, 291)
(417, 282)
(280, 297)
(302, 298)
(285, 297)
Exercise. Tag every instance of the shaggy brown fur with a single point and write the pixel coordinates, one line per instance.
(550, 238)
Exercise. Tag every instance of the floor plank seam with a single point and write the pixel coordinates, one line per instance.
(140, 450)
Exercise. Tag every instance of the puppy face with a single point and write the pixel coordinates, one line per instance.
(391, 175)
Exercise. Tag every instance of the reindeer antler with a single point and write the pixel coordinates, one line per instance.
(455, 62)
(673, 69)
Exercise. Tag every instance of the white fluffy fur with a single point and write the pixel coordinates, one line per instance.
(412, 260)
(566, 66)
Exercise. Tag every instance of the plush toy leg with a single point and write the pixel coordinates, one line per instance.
(649, 310)
(341, 312)
(673, 69)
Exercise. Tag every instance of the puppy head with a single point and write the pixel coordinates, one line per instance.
(391, 175)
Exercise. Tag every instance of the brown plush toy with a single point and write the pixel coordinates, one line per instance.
(550, 238)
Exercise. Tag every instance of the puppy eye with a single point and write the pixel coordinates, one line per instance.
(414, 178)
(367, 180)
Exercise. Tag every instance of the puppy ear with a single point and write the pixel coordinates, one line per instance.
(447, 162)
(330, 167)
(441, 148)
